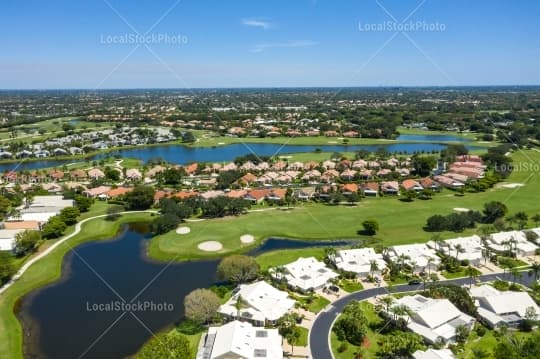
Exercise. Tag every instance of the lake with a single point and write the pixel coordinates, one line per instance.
(63, 320)
(183, 154)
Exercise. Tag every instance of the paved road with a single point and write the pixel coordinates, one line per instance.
(33, 260)
(320, 332)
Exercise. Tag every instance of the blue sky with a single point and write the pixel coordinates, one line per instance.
(74, 44)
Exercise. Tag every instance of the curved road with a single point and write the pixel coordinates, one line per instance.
(319, 335)
(33, 260)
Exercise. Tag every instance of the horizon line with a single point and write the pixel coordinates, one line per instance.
(266, 87)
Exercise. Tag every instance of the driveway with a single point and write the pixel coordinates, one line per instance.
(319, 335)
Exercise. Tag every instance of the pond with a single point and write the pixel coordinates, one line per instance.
(70, 318)
(184, 154)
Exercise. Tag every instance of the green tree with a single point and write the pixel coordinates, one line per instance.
(69, 215)
(201, 305)
(166, 346)
(238, 269)
(112, 174)
(371, 226)
(83, 203)
(165, 223)
(352, 325)
(113, 212)
(7, 267)
(400, 345)
(54, 227)
(26, 241)
(141, 198)
(293, 336)
(493, 211)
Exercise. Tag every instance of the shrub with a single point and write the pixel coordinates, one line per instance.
(343, 347)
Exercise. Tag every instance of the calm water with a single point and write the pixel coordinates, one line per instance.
(433, 138)
(59, 321)
(183, 154)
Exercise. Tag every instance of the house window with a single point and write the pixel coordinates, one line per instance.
(261, 334)
(259, 353)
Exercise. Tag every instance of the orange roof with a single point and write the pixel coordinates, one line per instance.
(350, 187)
(115, 192)
(191, 168)
(374, 186)
(56, 174)
(185, 194)
(160, 194)
(409, 183)
(258, 193)
(248, 178)
(21, 225)
(278, 192)
(236, 193)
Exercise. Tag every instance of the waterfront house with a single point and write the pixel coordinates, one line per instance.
(305, 274)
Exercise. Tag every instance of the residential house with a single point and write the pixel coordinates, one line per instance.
(306, 274)
(411, 185)
(259, 303)
(435, 320)
(434, 354)
(418, 256)
(370, 189)
(390, 188)
(503, 308)
(241, 340)
(359, 261)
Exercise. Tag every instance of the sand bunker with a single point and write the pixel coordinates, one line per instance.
(247, 238)
(183, 230)
(512, 185)
(210, 246)
(461, 209)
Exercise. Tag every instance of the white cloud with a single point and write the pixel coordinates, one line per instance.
(257, 23)
(290, 44)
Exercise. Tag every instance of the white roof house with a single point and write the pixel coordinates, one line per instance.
(241, 341)
(497, 308)
(502, 240)
(433, 319)
(418, 256)
(471, 248)
(359, 260)
(260, 302)
(7, 238)
(307, 273)
(434, 354)
(42, 208)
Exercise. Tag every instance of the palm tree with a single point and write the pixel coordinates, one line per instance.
(239, 305)
(535, 270)
(387, 301)
(373, 267)
(459, 249)
(471, 272)
(429, 263)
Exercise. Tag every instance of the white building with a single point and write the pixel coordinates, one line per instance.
(42, 208)
(237, 340)
(259, 302)
(419, 257)
(470, 248)
(359, 261)
(502, 308)
(515, 240)
(434, 354)
(435, 320)
(306, 274)
(7, 238)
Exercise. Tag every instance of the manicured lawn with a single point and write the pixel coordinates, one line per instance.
(47, 270)
(399, 222)
(303, 341)
(350, 285)
(487, 342)
(313, 304)
(459, 274)
(318, 304)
